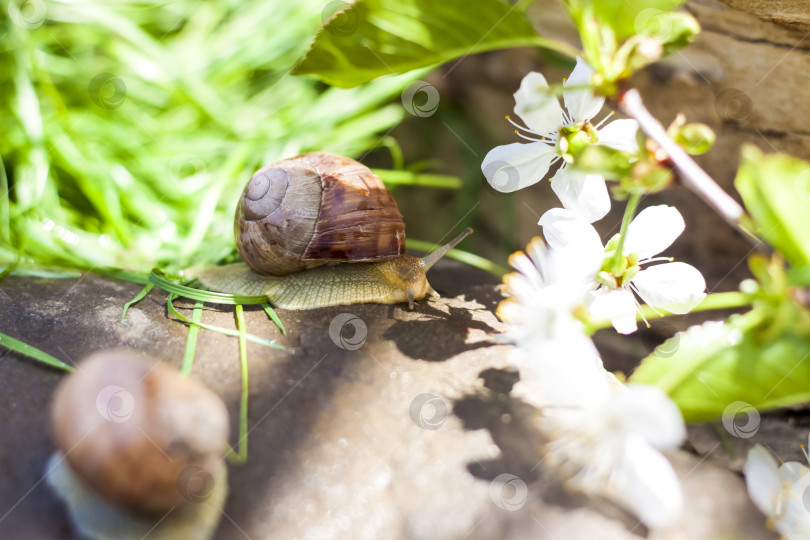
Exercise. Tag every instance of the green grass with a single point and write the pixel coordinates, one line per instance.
(15, 345)
(128, 129)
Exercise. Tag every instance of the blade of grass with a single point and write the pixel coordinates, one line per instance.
(397, 158)
(408, 178)
(191, 341)
(32, 352)
(224, 331)
(203, 296)
(273, 317)
(5, 215)
(240, 456)
(10, 269)
(140, 296)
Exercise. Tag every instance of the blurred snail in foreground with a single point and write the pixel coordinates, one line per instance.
(140, 450)
(300, 219)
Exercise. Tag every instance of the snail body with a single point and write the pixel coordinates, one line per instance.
(321, 230)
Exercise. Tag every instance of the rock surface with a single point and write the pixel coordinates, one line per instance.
(399, 438)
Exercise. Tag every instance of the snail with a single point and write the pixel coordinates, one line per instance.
(139, 449)
(321, 230)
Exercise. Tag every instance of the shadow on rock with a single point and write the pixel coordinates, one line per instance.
(436, 336)
(488, 296)
(511, 424)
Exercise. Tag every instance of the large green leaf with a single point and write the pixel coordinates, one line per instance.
(776, 192)
(372, 38)
(710, 368)
(632, 17)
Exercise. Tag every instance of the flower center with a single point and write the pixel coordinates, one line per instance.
(616, 279)
(573, 138)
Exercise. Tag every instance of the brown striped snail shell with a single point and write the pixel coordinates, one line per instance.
(315, 208)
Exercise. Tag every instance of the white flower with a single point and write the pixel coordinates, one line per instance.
(674, 286)
(554, 133)
(781, 492)
(610, 448)
(601, 437)
(556, 359)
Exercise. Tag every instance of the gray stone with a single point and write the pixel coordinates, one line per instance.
(400, 438)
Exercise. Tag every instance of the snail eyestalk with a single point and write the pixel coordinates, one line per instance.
(429, 260)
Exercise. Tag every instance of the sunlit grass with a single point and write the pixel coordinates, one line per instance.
(19, 347)
(130, 128)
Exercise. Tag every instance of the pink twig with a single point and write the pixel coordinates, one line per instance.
(691, 175)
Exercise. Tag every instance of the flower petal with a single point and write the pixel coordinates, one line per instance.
(645, 483)
(675, 287)
(620, 135)
(648, 411)
(565, 230)
(653, 230)
(537, 106)
(515, 166)
(793, 518)
(762, 479)
(581, 103)
(562, 372)
(618, 306)
(585, 194)
(792, 471)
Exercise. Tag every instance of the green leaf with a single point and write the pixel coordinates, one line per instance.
(776, 191)
(621, 38)
(695, 138)
(678, 31)
(377, 37)
(710, 367)
(604, 160)
(633, 17)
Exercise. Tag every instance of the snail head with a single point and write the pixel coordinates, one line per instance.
(409, 274)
